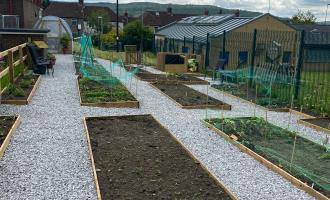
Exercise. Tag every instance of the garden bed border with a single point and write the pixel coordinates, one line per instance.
(212, 176)
(225, 106)
(313, 126)
(301, 114)
(9, 136)
(28, 100)
(295, 181)
(122, 104)
(201, 82)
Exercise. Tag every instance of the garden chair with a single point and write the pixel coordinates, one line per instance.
(40, 64)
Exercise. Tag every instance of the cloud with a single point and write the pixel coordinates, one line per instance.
(282, 8)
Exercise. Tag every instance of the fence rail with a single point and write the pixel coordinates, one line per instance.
(11, 65)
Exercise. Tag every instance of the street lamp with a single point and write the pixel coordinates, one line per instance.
(117, 34)
(100, 20)
(326, 14)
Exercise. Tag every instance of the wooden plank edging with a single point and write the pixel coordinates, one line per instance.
(296, 182)
(212, 176)
(223, 106)
(9, 136)
(96, 182)
(313, 126)
(26, 101)
(122, 104)
(262, 107)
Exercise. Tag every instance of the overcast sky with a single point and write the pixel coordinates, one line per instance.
(284, 8)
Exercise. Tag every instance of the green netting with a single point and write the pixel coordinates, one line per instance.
(91, 69)
(302, 158)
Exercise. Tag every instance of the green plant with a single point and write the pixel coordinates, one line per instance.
(14, 90)
(64, 41)
(25, 83)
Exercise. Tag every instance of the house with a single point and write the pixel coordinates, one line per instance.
(71, 12)
(19, 13)
(190, 35)
(156, 19)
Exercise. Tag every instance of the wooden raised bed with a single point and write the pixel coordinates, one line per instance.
(188, 98)
(9, 132)
(135, 157)
(119, 104)
(278, 169)
(188, 79)
(23, 101)
(262, 107)
(319, 124)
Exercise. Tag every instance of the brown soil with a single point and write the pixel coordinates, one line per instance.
(26, 90)
(181, 78)
(322, 122)
(187, 96)
(6, 122)
(136, 158)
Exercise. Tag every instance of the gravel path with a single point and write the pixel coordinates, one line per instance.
(47, 158)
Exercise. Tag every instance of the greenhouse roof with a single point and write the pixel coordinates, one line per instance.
(199, 26)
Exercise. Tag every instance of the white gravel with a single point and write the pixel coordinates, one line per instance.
(47, 158)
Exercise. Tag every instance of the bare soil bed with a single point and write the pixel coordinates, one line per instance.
(320, 122)
(136, 158)
(180, 78)
(6, 122)
(188, 97)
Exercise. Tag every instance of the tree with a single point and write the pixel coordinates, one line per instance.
(45, 3)
(134, 32)
(110, 37)
(94, 21)
(303, 17)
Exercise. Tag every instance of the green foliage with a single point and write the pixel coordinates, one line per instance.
(45, 3)
(110, 37)
(94, 21)
(135, 32)
(303, 17)
(25, 83)
(64, 41)
(15, 91)
(325, 156)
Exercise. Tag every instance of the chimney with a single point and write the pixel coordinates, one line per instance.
(237, 13)
(220, 11)
(169, 10)
(81, 2)
(206, 12)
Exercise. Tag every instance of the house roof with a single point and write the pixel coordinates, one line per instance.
(311, 27)
(89, 9)
(64, 10)
(199, 26)
(161, 18)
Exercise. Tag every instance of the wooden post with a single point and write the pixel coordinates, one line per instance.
(299, 65)
(20, 51)
(10, 66)
(254, 45)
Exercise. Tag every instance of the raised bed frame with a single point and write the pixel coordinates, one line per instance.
(262, 107)
(9, 136)
(28, 100)
(296, 182)
(98, 192)
(313, 126)
(224, 106)
(123, 104)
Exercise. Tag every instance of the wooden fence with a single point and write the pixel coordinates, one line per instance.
(13, 68)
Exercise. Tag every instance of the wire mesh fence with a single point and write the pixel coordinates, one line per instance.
(276, 69)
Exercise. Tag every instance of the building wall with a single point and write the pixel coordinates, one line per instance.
(239, 40)
(30, 13)
(27, 11)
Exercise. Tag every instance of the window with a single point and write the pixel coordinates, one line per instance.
(287, 55)
(185, 49)
(74, 22)
(226, 57)
(242, 58)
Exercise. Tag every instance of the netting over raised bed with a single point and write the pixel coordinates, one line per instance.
(92, 70)
(298, 156)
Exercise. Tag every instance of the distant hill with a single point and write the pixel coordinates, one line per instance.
(135, 9)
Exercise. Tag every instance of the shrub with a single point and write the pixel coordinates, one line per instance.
(65, 41)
